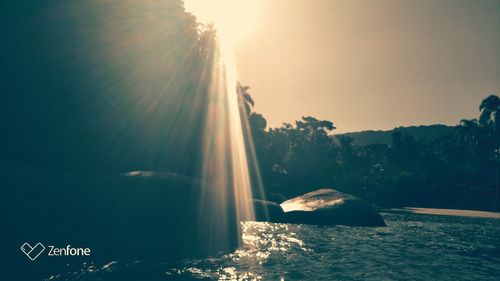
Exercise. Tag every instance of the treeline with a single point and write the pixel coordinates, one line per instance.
(458, 170)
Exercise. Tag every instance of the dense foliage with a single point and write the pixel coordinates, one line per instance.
(456, 170)
(93, 86)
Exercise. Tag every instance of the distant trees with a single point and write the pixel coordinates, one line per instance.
(456, 170)
(468, 132)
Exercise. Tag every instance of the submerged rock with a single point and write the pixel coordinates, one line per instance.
(330, 207)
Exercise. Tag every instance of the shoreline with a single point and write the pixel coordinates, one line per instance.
(444, 212)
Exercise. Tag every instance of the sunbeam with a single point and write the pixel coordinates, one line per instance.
(226, 140)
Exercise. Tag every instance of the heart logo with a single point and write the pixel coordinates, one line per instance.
(32, 252)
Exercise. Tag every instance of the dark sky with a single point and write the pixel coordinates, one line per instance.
(372, 64)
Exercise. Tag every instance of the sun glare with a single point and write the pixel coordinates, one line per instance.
(235, 19)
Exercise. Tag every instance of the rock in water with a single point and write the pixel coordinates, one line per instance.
(268, 211)
(330, 207)
(139, 215)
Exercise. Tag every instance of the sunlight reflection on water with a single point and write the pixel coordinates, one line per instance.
(260, 241)
(411, 246)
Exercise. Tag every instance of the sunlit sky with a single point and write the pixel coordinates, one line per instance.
(367, 64)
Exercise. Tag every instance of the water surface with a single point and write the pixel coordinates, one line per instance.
(411, 247)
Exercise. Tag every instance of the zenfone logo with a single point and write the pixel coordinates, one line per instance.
(32, 252)
(68, 251)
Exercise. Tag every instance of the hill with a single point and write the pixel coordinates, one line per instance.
(424, 133)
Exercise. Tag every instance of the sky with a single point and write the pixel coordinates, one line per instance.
(371, 65)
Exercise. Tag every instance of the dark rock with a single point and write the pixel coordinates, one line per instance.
(330, 207)
(131, 216)
(276, 197)
(268, 211)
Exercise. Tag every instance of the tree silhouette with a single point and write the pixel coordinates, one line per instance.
(244, 98)
(117, 107)
(468, 132)
(490, 112)
(490, 117)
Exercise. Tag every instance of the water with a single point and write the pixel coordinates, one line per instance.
(412, 247)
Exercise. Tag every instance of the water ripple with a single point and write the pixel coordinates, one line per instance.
(411, 247)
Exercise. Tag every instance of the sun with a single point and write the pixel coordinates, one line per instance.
(235, 19)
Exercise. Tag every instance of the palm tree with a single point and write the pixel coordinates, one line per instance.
(490, 112)
(244, 98)
(490, 116)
